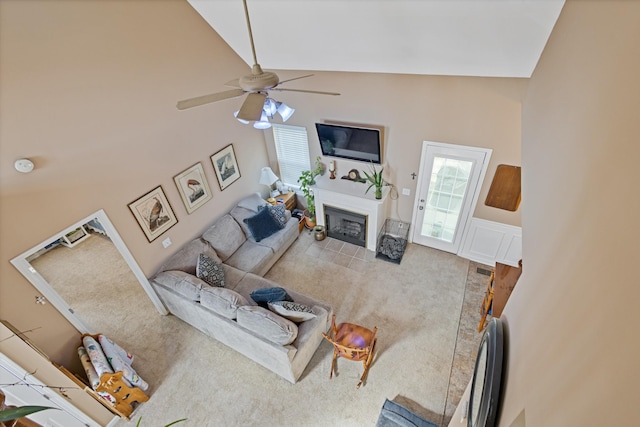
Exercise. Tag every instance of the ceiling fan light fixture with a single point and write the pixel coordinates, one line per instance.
(244, 122)
(270, 107)
(263, 123)
(285, 111)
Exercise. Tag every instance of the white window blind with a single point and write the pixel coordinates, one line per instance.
(292, 149)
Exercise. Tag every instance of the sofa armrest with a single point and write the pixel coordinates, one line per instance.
(183, 283)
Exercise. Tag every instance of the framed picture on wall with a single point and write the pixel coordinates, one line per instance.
(193, 187)
(153, 213)
(226, 166)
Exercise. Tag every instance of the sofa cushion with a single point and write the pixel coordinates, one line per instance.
(293, 311)
(267, 324)
(266, 295)
(277, 212)
(183, 283)
(186, 258)
(251, 257)
(225, 236)
(252, 202)
(232, 276)
(262, 225)
(239, 214)
(223, 301)
(210, 271)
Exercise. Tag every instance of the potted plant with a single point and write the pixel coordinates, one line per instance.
(306, 180)
(375, 179)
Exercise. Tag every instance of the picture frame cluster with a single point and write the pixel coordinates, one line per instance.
(153, 211)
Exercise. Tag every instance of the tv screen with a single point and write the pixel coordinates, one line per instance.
(349, 142)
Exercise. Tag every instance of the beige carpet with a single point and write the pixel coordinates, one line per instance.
(423, 359)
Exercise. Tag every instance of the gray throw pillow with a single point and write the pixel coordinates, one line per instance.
(210, 271)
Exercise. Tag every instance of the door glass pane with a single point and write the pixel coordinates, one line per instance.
(448, 185)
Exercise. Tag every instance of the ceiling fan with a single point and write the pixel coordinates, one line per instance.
(257, 85)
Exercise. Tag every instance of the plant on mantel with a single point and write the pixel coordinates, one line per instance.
(375, 180)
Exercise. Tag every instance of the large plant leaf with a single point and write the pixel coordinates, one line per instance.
(19, 412)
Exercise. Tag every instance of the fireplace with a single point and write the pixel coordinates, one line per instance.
(350, 198)
(346, 226)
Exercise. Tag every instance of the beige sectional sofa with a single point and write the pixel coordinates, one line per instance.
(228, 313)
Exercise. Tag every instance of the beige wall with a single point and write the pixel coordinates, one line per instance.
(88, 91)
(572, 341)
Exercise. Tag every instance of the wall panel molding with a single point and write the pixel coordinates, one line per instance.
(488, 242)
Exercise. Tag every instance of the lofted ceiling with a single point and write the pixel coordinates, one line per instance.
(487, 38)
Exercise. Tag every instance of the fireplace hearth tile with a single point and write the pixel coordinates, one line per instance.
(349, 249)
(334, 245)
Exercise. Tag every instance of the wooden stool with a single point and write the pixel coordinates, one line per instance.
(353, 342)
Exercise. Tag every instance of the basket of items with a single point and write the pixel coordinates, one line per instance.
(392, 240)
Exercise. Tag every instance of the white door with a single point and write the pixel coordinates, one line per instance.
(448, 184)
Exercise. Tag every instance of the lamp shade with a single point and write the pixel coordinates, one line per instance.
(244, 122)
(285, 111)
(267, 177)
(270, 107)
(263, 123)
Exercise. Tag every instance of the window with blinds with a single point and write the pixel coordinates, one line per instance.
(292, 149)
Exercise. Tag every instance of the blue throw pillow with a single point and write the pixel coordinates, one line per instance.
(266, 295)
(262, 225)
(278, 212)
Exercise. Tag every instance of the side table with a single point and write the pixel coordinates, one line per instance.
(289, 200)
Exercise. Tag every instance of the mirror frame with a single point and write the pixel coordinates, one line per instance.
(488, 387)
(24, 267)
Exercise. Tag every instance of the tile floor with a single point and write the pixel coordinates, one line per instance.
(341, 253)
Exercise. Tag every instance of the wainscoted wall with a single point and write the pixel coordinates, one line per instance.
(489, 242)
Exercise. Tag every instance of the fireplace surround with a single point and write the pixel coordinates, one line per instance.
(350, 196)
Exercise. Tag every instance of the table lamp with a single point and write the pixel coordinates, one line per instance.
(268, 178)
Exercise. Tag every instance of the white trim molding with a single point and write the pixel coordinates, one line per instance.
(488, 242)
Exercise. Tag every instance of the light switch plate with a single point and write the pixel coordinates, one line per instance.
(406, 192)
(166, 243)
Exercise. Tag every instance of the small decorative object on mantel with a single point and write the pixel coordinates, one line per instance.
(354, 175)
(332, 169)
(375, 179)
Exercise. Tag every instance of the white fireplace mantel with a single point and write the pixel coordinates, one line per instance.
(350, 196)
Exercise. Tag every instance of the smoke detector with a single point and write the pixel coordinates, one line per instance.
(24, 165)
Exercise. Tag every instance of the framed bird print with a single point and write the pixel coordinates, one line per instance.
(226, 166)
(153, 213)
(193, 187)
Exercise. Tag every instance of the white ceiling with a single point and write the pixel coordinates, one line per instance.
(490, 38)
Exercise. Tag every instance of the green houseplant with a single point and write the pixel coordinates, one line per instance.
(306, 180)
(375, 180)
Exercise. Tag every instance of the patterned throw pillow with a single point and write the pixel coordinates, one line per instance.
(210, 271)
(292, 310)
(278, 213)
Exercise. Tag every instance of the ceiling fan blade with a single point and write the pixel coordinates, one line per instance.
(233, 83)
(306, 91)
(206, 99)
(252, 107)
(295, 78)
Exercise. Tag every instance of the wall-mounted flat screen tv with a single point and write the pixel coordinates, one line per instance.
(350, 142)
